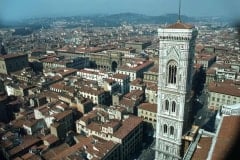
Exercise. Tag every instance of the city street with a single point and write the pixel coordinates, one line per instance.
(204, 117)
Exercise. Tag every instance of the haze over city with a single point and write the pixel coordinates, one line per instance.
(14, 10)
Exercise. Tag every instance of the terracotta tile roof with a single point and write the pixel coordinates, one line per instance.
(8, 56)
(93, 126)
(50, 138)
(120, 76)
(112, 124)
(91, 145)
(203, 147)
(92, 91)
(180, 25)
(136, 68)
(152, 87)
(50, 94)
(227, 139)
(154, 69)
(127, 103)
(110, 81)
(89, 117)
(226, 87)
(137, 82)
(221, 66)
(211, 71)
(134, 94)
(128, 125)
(60, 116)
(27, 141)
(148, 107)
(55, 151)
(205, 57)
(31, 156)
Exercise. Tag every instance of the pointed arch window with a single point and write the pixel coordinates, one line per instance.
(166, 105)
(172, 72)
(164, 128)
(173, 106)
(171, 130)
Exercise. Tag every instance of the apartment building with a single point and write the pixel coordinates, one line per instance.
(151, 75)
(123, 81)
(205, 59)
(148, 112)
(151, 93)
(13, 62)
(135, 69)
(137, 84)
(127, 132)
(223, 93)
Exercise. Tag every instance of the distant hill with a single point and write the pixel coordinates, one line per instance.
(133, 18)
(113, 20)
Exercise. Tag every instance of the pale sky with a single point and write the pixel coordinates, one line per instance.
(21, 9)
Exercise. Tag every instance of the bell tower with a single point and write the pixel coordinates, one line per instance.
(176, 54)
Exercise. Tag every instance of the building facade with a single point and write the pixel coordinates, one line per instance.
(13, 62)
(176, 54)
(223, 93)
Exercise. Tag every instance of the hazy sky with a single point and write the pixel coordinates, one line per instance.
(20, 9)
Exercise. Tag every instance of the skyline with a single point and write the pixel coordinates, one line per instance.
(14, 10)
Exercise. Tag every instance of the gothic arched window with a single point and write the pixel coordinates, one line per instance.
(173, 106)
(171, 130)
(164, 128)
(166, 105)
(172, 72)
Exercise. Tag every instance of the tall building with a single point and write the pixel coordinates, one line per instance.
(176, 54)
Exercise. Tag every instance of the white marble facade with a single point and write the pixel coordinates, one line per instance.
(176, 54)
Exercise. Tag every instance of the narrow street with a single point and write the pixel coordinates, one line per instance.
(204, 118)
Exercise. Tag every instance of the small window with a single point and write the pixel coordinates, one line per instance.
(164, 128)
(171, 130)
(173, 106)
(166, 105)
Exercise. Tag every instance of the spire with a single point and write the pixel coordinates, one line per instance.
(179, 12)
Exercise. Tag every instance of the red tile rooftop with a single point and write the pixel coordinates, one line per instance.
(50, 138)
(127, 102)
(88, 71)
(112, 124)
(136, 67)
(27, 142)
(50, 154)
(110, 81)
(154, 69)
(120, 76)
(198, 66)
(180, 25)
(31, 156)
(148, 107)
(99, 148)
(137, 82)
(61, 115)
(134, 93)
(127, 126)
(226, 87)
(202, 149)
(211, 71)
(8, 56)
(94, 126)
(227, 139)
(153, 87)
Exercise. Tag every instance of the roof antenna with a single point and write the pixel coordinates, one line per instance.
(179, 12)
